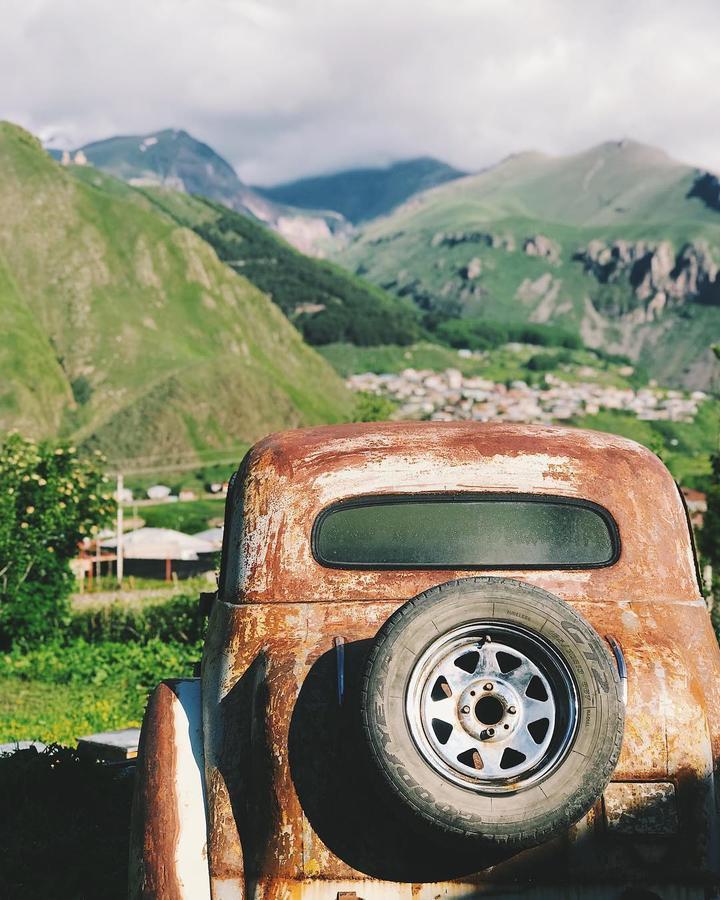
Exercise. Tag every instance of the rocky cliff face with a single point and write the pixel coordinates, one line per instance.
(657, 274)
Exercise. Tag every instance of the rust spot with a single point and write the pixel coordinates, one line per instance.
(558, 472)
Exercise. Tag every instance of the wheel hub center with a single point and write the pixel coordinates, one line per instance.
(489, 709)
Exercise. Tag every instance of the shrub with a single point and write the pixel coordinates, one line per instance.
(132, 666)
(545, 335)
(372, 408)
(65, 828)
(176, 620)
(544, 362)
(473, 334)
(81, 390)
(50, 498)
(484, 334)
(709, 535)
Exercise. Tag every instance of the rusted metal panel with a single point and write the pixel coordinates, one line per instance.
(292, 476)
(168, 856)
(279, 739)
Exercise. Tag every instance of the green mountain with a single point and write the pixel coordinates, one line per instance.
(174, 159)
(363, 194)
(620, 243)
(122, 330)
(324, 301)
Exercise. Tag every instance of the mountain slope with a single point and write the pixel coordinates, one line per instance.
(174, 159)
(324, 301)
(363, 194)
(618, 242)
(124, 331)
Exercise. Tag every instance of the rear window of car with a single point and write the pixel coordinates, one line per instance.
(465, 531)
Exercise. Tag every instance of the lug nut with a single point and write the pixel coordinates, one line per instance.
(489, 686)
(465, 710)
(486, 733)
(512, 710)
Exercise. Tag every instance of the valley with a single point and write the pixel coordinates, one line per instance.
(581, 289)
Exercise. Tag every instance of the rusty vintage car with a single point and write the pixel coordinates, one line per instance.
(443, 660)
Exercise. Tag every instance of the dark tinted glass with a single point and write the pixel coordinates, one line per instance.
(464, 532)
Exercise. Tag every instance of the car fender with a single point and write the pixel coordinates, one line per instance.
(168, 842)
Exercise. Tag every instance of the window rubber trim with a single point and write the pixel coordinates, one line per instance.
(367, 500)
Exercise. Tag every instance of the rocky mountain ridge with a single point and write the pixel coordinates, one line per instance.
(173, 159)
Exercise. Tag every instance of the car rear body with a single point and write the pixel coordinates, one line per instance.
(289, 811)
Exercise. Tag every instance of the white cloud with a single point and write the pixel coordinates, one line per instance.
(289, 87)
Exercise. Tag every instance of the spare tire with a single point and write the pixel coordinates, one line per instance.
(492, 711)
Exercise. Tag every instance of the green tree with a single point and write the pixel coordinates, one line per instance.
(474, 334)
(372, 408)
(50, 499)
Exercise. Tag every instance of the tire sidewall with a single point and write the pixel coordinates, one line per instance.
(550, 804)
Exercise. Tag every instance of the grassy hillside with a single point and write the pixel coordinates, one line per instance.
(124, 331)
(323, 300)
(362, 194)
(613, 242)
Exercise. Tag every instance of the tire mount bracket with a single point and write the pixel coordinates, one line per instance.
(621, 665)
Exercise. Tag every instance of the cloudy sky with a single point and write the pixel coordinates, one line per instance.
(285, 88)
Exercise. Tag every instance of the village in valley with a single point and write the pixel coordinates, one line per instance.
(450, 395)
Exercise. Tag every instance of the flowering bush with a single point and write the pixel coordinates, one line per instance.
(50, 498)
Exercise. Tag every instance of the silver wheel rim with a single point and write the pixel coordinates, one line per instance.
(492, 706)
